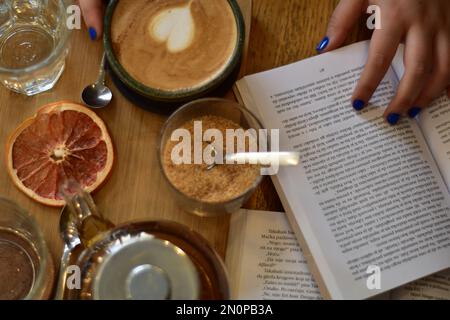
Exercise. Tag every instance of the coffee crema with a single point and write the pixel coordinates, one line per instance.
(174, 45)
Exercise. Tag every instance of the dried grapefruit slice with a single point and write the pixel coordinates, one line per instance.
(63, 141)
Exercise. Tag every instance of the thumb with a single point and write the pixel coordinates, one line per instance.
(93, 17)
(342, 21)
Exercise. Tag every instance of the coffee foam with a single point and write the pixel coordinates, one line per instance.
(175, 27)
(174, 44)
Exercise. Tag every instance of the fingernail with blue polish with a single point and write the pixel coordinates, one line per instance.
(393, 118)
(414, 112)
(358, 104)
(92, 33)
(323, 44)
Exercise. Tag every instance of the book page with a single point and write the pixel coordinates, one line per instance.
(265, 260)
(435, 124)
(435, 287)
(366, 194)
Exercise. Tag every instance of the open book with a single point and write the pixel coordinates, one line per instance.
(266, 262)
(366, 194)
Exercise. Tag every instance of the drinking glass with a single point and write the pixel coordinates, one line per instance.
(208, 107)
(26, 266)
(34, 42)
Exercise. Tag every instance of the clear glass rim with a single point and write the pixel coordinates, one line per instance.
(36, 290)
(161, 149)
(55, 53)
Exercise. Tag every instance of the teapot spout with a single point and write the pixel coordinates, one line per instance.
(88, 221)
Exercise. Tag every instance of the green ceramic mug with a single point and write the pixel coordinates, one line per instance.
(180, 95)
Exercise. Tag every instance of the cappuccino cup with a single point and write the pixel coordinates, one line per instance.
(173, 51)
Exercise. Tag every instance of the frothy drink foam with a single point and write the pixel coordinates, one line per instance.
(175, 27)
(174, 44)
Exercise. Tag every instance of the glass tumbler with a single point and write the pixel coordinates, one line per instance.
(208, 107)
(34, 42)
(26, 266)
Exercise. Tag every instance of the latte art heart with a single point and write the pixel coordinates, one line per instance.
(175, 27)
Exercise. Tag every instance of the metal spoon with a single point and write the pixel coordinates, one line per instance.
(98, 95)
(69, 234)
(263, 158)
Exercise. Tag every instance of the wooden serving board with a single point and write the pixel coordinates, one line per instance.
(136, 189)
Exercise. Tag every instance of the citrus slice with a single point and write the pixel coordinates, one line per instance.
(62, 141)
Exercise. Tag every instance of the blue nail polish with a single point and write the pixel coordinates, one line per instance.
(323, 44)
(393, 118)
(92, 33)
(414, 112)
(358, 104)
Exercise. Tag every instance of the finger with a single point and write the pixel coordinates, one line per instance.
(93, 17)
(341, 22)
(440, 77)
(418, 62)
(383, 47)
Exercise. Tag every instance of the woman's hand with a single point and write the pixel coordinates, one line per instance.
(424, 26)
(93, 16)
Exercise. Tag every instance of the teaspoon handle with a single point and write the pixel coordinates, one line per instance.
(102, 71)
(265, 158)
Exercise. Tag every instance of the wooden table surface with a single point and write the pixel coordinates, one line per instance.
(282, 32)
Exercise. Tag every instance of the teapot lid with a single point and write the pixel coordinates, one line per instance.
(140, 267)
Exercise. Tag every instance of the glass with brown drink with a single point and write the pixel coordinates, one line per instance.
(26, 267)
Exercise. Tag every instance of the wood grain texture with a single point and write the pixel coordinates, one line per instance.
(283, 31)
(286, 31)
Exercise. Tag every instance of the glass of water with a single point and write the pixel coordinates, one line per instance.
(34, 42)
